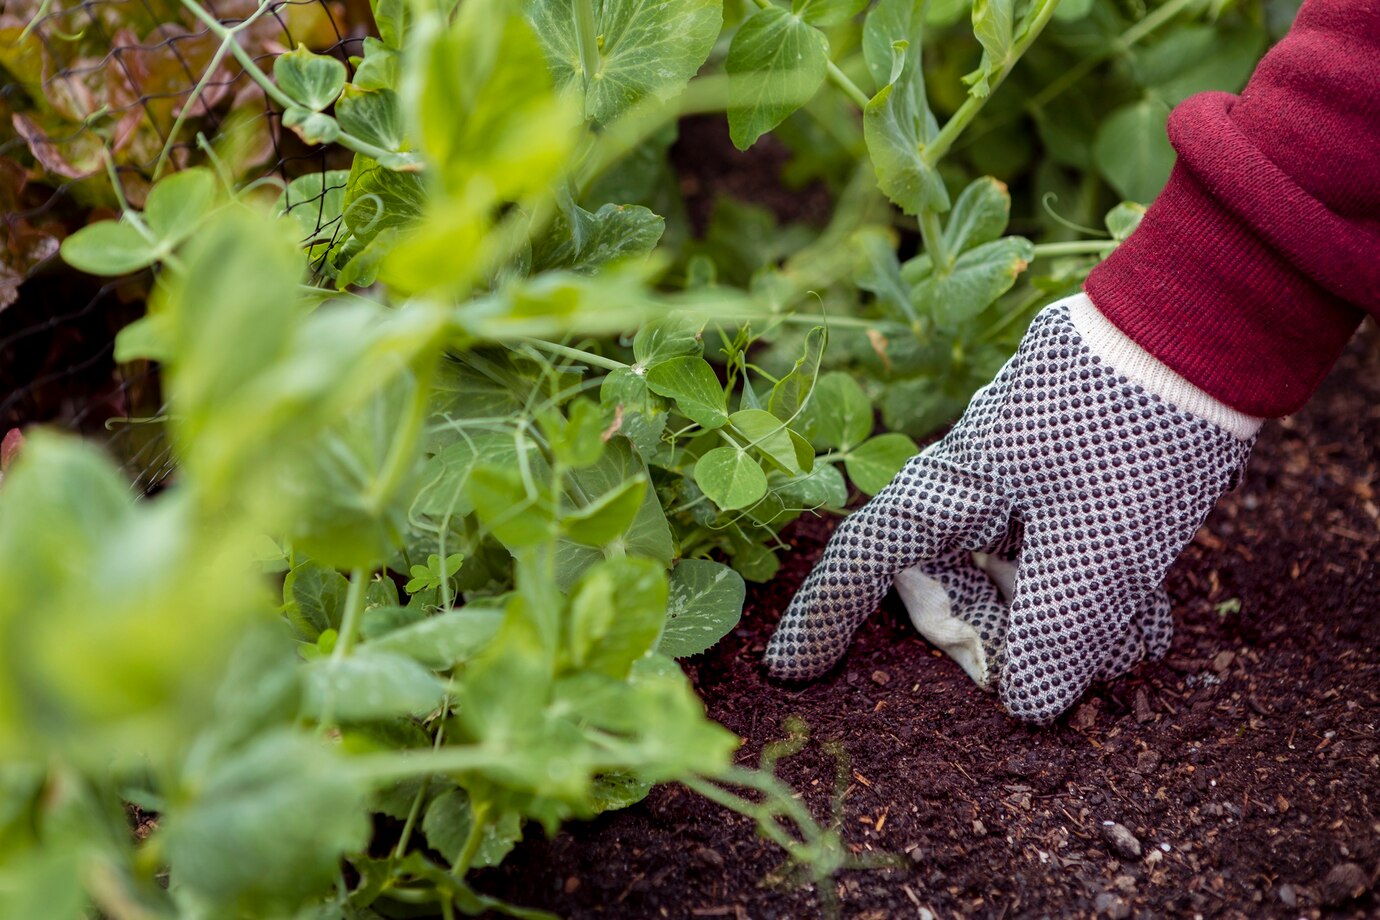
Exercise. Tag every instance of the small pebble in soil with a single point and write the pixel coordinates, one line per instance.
(1288, 896)
(1122, 841)
(1146, 762)
(708, 858)
(1112, 906)
(881, 678)
(1344, 882)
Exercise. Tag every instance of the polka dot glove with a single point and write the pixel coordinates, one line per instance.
(1086, 462)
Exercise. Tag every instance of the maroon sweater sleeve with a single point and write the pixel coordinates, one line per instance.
(1254, 265)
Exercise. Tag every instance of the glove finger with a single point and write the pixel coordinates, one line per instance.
(930, 507)
(1148, 636)
(1068, 620)
(956, 607)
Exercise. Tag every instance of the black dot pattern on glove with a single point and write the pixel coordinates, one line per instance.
(1110, 483)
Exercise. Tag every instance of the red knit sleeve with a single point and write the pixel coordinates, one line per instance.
(1255, 264)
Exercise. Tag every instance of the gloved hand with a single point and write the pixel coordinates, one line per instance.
(1086, 460)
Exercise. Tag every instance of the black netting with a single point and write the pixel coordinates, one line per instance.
(137, 87)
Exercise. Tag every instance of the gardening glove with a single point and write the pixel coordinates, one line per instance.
(960, 602)
(1095, 459)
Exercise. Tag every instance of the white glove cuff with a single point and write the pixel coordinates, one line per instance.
(1139, 366)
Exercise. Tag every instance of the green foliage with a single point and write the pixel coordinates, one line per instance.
(491, 364)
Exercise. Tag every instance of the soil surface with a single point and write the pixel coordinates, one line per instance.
(1246, 765)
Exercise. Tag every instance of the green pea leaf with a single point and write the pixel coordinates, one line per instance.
(873, 464)
(372, 116)
(839, 415)
(648, 535)
(1198, 58)
(442, 641)
(369, 684)
(315, 201)
(879, 273)
(313, 81)
(898, 123)
(265, 828)
(822, 487)
(792, 391)
(706, 602)
(1123, 219)
(1132, 150)
(671, 336)
(993, 25)
(616, 613)
(770, 437)
(313, 598)
(390, 16)
(775, 64)
(109, 248)
(691, 382)
(607, 517)
(824, 13)
(643, 48)
(447, 826)
(501, 500)
(178, 204)
(731, 478)
(979, 215)
(585, 242)
(312, 127)
(978, 278)
(379, 67)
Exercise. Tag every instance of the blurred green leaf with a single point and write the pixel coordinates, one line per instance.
(898, 123)
(776, 62)
(449, 822)
(825, 13)
(109, 248)
(839, 415)
(616, 614)
(369, 684)
(644, 48)
(372, 115)
(263, 831)
(874, 463)
(1132, 150)
(978, 278)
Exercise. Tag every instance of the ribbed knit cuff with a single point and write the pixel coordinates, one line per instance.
(1197, 288)
(1136, 364)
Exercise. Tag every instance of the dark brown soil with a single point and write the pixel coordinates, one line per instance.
(1247, 764)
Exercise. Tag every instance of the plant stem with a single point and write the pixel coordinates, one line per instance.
(587, 40)
(400, 452)
(210, 71)
(575, 354)
(933, 234)
(845, 83)
(935, 150)
(354, 608)
(1075, 248)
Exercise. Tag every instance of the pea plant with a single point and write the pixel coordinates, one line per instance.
(474, 441)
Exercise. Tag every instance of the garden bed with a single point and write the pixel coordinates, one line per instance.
(1246, 764)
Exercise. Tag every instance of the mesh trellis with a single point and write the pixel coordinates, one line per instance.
(128, 86)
